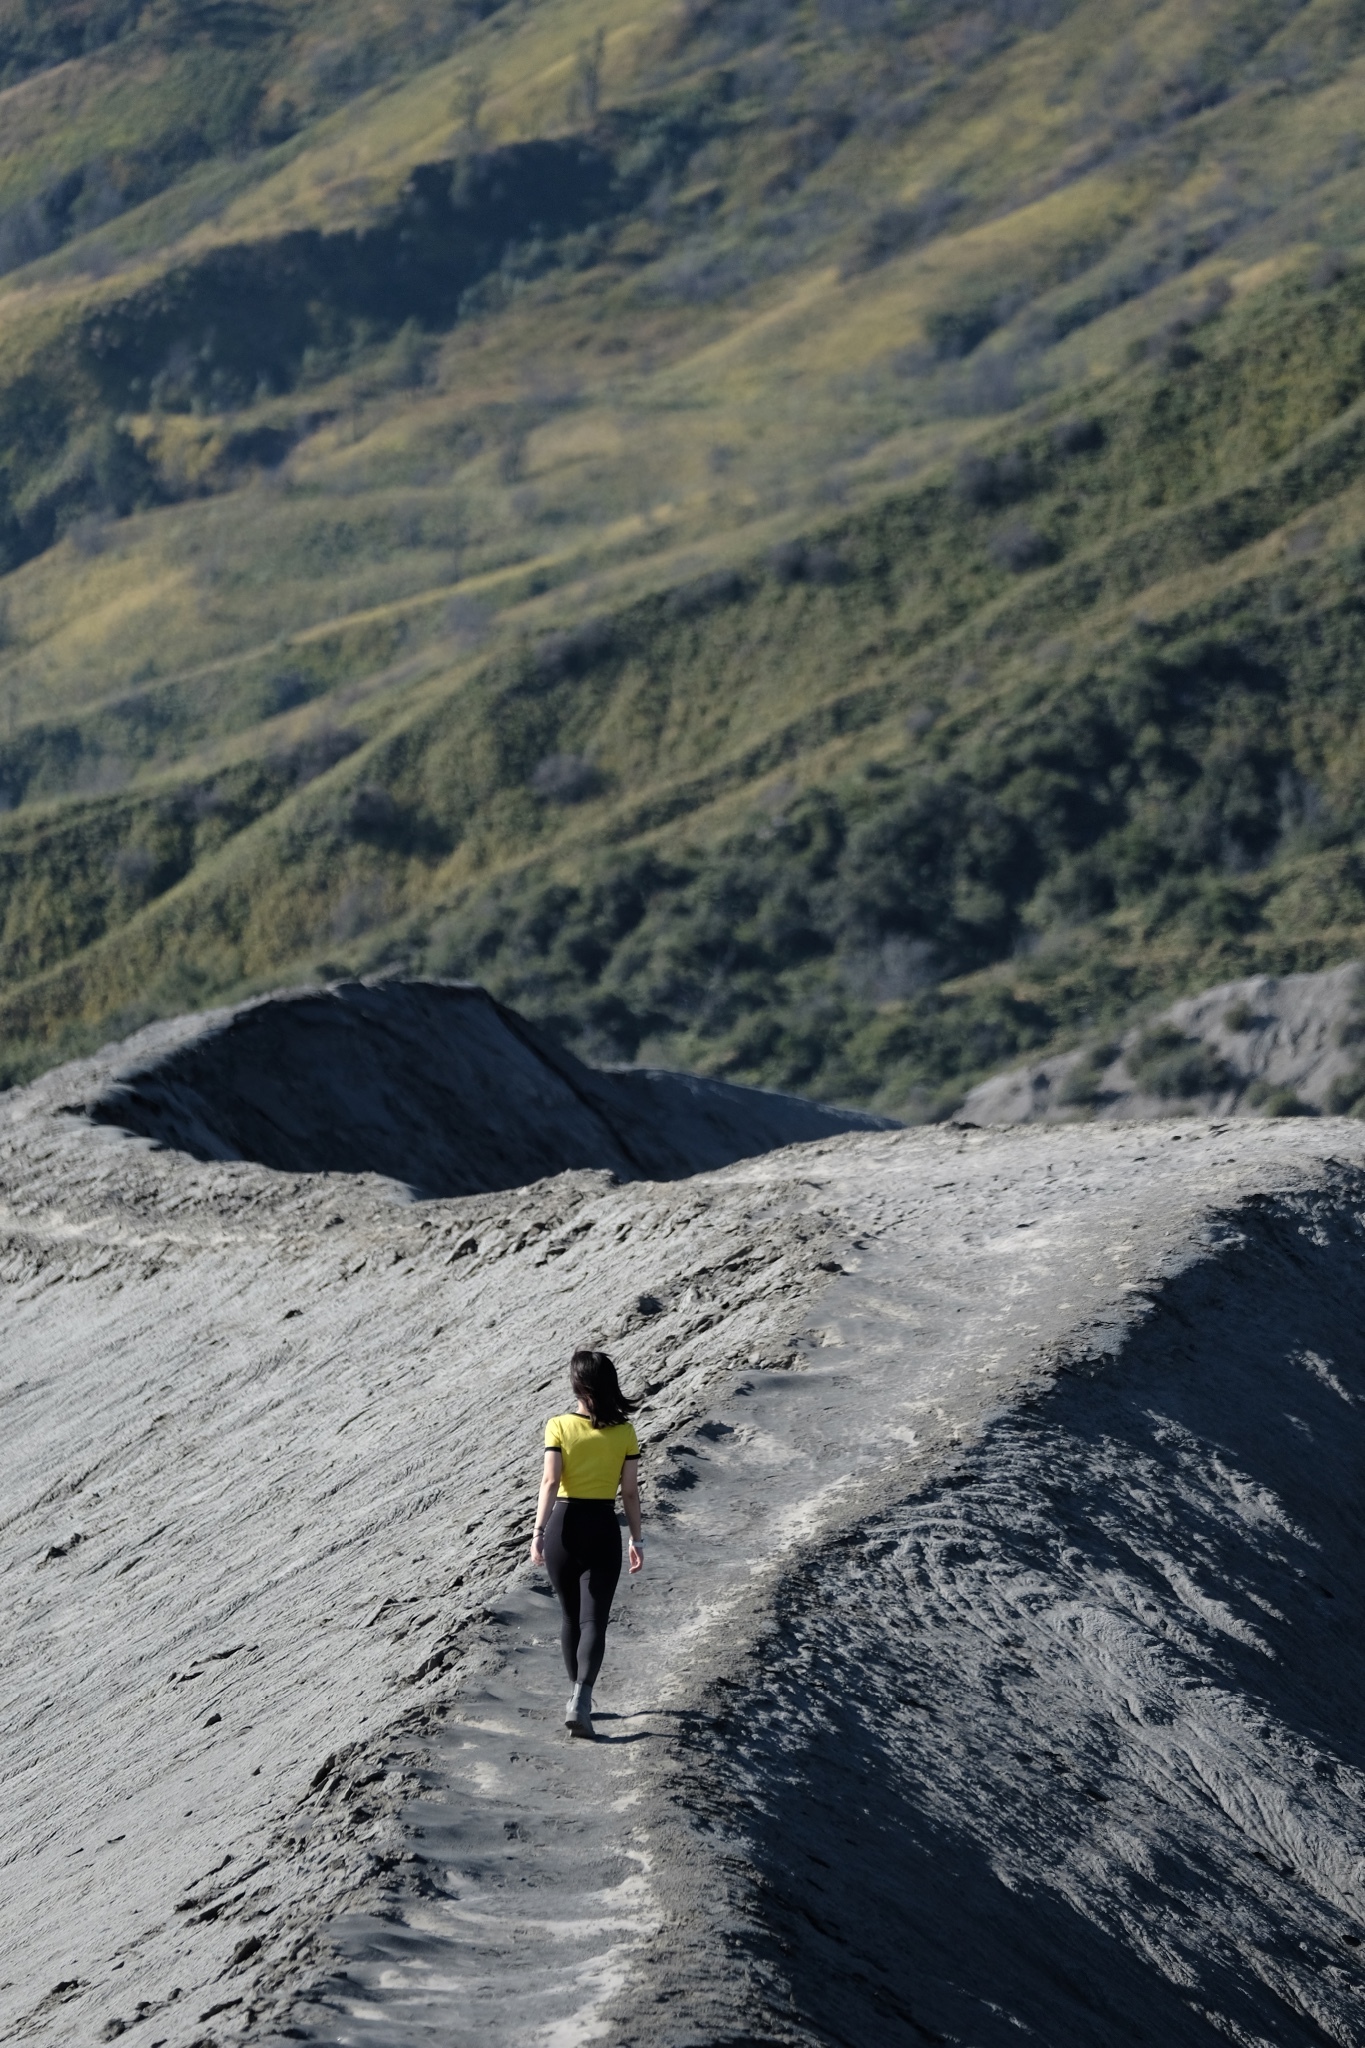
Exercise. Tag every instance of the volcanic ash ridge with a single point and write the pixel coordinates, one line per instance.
(996, 1667)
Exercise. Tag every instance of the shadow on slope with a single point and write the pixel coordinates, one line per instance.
(436, 1085)
(214, 327)
(1069, 1749)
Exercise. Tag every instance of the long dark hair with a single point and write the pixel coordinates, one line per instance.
(597, 1387)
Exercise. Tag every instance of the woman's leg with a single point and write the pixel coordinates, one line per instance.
(599, 1548)
(565, 1576)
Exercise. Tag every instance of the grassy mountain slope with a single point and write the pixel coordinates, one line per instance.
(819, 546)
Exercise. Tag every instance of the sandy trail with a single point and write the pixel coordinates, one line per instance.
(982, 1683)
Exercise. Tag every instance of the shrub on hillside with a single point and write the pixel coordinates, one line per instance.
(896, 228)
(708, 593)
(1078, 434)
(566, 779)
(1165, 1062)
(404, 364)
(133, 868)
(88, 536)
(36, 35)
(1273, 1101)
(1346, 1095)
(992, 381)
(99, 471)
(1172, 344)
(574, 653)
(359, 907)
(799, 561)
(889, 972)
(1329, 269)
(989, 481)
(468, 622)
(1308, 822)
(1019, 547)
(34, 228)
(371, 812)
(1082, 1085)
(956, 331)
(318, 750)
(945, 864)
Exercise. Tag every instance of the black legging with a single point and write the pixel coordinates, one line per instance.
(583, 1553)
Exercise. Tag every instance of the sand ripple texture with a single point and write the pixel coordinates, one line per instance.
(995, 1676)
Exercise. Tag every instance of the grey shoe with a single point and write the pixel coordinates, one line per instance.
(571, 1710)
(580, 1721)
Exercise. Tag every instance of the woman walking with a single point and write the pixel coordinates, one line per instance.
(588, 1455)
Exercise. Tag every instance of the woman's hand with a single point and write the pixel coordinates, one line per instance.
(630, 1501)
(537, 1548)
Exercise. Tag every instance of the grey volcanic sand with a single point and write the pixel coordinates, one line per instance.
(995, 1672)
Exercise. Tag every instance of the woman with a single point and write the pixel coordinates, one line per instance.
(587, 1456)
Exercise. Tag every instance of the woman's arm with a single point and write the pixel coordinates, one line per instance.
(549, 1487)
(630, 1501)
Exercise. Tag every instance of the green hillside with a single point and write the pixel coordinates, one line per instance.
(819, 544)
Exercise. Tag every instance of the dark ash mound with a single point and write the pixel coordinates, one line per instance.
(436, 1085)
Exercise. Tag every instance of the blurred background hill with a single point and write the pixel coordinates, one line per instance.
(822, 544)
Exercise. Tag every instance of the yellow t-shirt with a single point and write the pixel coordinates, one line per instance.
(593, 1458)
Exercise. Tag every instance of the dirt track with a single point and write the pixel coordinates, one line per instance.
(994, 1673)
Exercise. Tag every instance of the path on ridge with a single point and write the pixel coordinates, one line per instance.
(559, 1892)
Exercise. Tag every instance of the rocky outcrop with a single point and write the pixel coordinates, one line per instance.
(1292, 1045)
